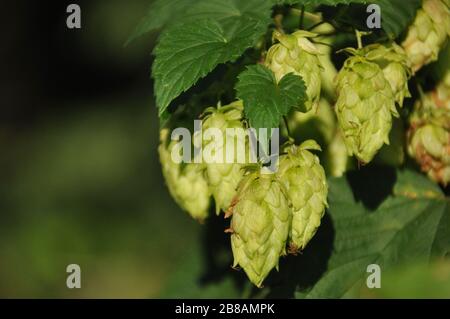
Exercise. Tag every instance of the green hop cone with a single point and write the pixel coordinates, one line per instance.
(295, 53)
(429, 136)
(224, 176)
(395, 65)
(186, 181)
(305, 181)
(428, 33)
(260, 224)
(364, 107)
(336, 160)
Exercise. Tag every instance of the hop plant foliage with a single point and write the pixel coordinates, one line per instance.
(364, 107)
(428, 33)
(261, 219)
(305, 181)
(279, 65)
(224, 175)
(429, 134)
(186, 181)
(295, 53)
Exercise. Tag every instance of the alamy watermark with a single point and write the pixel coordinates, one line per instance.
(74, 278)
(73, 20)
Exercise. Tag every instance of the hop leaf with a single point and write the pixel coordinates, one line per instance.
(224, 176)
(295, 53)
(186, 181)
(429, 134)
(305, 181)
(428, 33)
(260, 224)
(364, 107)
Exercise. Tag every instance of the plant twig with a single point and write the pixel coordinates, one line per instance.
(287, 129)
(359, 38)
(302, 17)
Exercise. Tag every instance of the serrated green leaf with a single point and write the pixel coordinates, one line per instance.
(396, 15)
(405, 227)
(163, 13)
(265, 100)
(189, 51)
(159, 14)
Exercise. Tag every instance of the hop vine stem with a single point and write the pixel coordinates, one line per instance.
(359, 38)
(287, 128)
(302, 17)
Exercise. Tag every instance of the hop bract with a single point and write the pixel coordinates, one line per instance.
(364, 107)
(261, 219)
(395, 65)
(429, 134)
(295, 53)
(428, 33)
(223, 177)
(305, 181)
(186, 181)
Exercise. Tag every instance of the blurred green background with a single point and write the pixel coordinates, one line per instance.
(80, 177)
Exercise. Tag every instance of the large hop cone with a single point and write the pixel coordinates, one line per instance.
(260, 225)
(295, 53)
(428, 33)
(364, 107)
(396, 68)
(429, 135)
(186, 181)
(226, 172)
(305, 181)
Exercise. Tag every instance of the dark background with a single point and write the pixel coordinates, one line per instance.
(80, 180)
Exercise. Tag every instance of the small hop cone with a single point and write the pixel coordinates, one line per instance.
(428, 33)
(260, 224)
(295, 53)
(186, 181)
(364, 107)
(429, 136)
(395, 65)
(336, 160)
(224, 176)
(305, 181)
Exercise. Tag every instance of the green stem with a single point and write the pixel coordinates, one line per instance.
(287, 129)
(302, 17)
(359, 38)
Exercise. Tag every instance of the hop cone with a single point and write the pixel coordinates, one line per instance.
(297, 54)
(364, 107)
(395, 65)
(336, 160)
(186, 181)
(224, 177)
(260, 225)
(428, 33)
(305, 181)
(429, 135)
